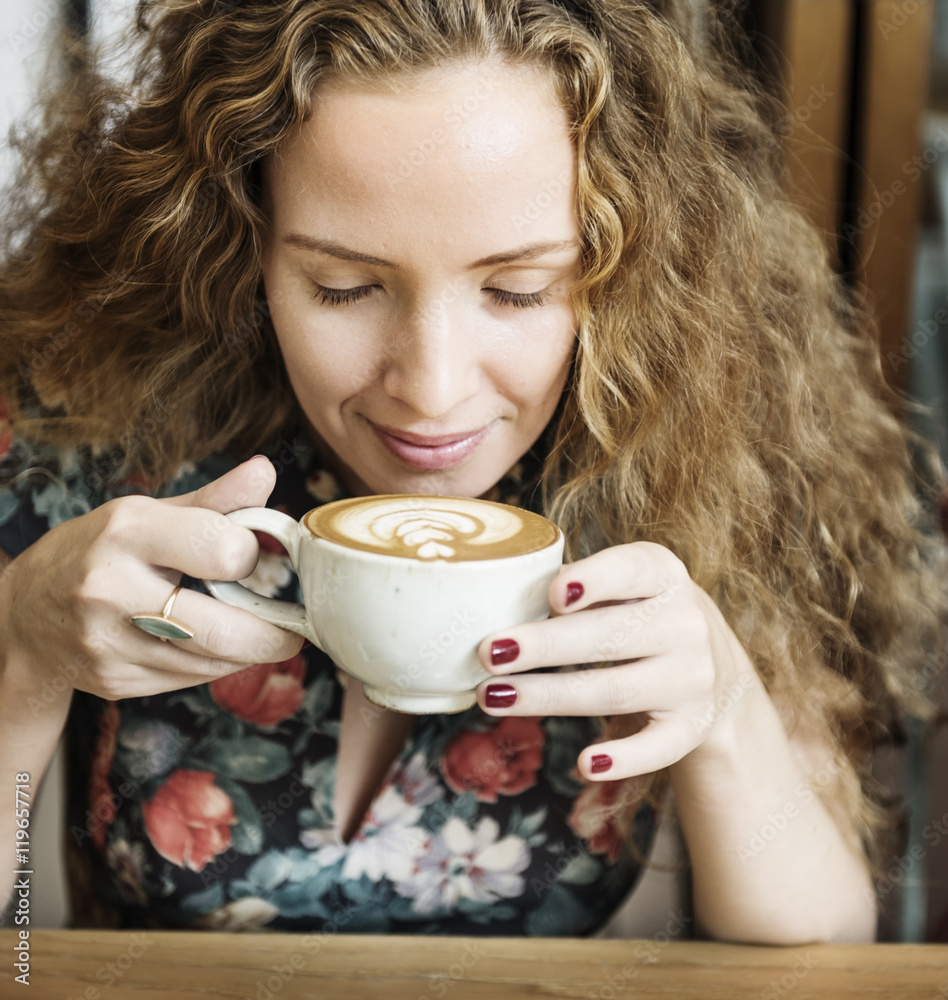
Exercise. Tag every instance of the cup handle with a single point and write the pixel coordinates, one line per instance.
(284, 614)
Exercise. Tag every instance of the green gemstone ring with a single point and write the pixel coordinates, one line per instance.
(163, 625)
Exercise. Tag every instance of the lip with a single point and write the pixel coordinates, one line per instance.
(430, 451)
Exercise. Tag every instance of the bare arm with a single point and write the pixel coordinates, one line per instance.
(64, 618)
(32, 718)
(774, 859)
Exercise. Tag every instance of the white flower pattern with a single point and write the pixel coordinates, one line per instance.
(461, 863)
(389, 841)
(418, 783)
(427, 855)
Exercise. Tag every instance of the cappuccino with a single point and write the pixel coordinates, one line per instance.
(453, 529)
(400, 590)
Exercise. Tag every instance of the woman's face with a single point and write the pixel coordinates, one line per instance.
(422, 246)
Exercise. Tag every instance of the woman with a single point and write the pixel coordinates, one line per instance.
(517, 248)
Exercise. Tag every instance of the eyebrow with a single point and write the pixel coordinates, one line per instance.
(530, 251)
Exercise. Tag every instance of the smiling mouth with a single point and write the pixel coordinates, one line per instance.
(430, 452)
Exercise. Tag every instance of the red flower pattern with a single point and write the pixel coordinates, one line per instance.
(189, 819)
(264, 694)
(503, 760)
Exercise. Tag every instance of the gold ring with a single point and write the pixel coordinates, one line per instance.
(163, 625)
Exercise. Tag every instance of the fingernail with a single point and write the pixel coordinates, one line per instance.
(574, 591)
(504, 651)
(600, 762)
(306, 645)
(500, 696)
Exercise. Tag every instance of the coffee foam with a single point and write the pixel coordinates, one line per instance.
(428, 528)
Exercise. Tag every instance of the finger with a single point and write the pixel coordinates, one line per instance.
(221, 633)
(618, 690)
(132, 680)
(618, 632)
(659, 745)
(135, 677)
(247, 485)
(619, 573)
(202, 543)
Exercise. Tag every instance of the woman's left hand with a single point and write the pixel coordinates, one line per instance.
(649, 642)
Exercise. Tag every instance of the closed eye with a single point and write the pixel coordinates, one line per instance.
(340, 296)
(520, 300)
(349, 296)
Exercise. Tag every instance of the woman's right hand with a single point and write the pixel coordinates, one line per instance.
(65, 603)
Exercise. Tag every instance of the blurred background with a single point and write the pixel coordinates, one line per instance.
(863, 88)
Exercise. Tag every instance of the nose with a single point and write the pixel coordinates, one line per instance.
(431, 361)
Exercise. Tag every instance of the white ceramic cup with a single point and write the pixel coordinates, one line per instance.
(406, 625)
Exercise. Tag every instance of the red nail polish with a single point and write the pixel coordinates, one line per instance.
(574, 591)
(504, 651)
(500, 696)
(600, 762)
(306, 645)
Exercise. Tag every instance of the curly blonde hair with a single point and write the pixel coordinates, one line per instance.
(726, 398)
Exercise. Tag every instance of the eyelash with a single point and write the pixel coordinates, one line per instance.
(516, 299)
(340, 296)
(348, 296)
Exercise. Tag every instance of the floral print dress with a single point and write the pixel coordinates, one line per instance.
(212, 807)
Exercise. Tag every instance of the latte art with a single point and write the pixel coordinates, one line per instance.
(432, 533)
(454, 529)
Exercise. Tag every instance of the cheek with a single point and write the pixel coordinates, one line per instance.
(535, 390)
(296, 344)
(319, 353)
(543, 358)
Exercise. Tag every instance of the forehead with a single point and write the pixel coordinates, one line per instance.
(475, 143)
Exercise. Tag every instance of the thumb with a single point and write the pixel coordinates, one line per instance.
(247, 485)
